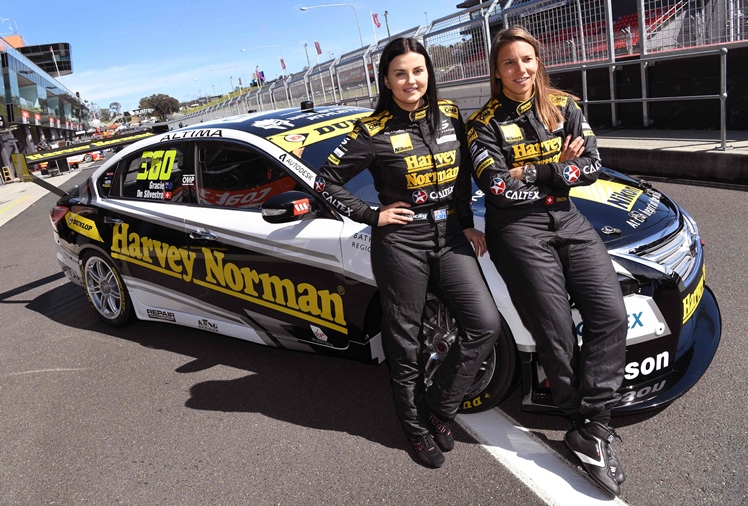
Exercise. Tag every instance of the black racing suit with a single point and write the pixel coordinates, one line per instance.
(432, 173)
(546, 251)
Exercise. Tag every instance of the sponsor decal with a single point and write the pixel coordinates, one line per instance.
(511, 132)
(449, 110)
(521, 195)
(301, 206)
(485, 164)
(333, 159)
(430, 178)
(83, 226)
(294, 138)
(609, 193)
(318, 132)
(188, 180)
(571, 173)
(472, 135)
(437, 160)
(497, 186)
(158, 314)
(647, 391)
(693, 298)
(247, 197)
(297, 166)
(361, 242)
(419, 197)
(639, 216)
(526, 151)
(319, 184)
(480, 155)
(205, 324)
(188, 134)
(647, 366)
(523, 108)
(418, 115)
(446, 138)
(268, 124)
(301, 300)
(319, 333)
(550, 200)
(156, 165)
(401, 143)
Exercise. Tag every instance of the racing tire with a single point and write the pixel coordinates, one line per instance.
(87, 158)
(497, 378)
(498, 375)
(105, 289)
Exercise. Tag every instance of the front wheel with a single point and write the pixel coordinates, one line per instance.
(499, 373)
(105, 289)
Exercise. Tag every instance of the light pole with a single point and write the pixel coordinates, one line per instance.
(340, 5)
(309, 65)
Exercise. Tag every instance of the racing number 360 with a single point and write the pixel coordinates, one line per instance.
(161, 163)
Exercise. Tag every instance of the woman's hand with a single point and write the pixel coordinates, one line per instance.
(396, 213)
(477, 239)
(518, 173)
(571, 149)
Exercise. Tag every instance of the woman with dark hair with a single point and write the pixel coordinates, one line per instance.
(545, 249)
(414, 145)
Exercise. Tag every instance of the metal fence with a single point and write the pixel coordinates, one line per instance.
(575, 34)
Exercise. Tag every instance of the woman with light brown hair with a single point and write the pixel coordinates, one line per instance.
(545, 249)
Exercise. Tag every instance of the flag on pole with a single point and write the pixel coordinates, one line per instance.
(317, 47)
(283, 64)
(375, 18)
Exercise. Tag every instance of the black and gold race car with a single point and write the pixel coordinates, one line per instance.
(218, 226)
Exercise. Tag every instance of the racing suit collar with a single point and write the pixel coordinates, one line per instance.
(416, 116)
(518, 107)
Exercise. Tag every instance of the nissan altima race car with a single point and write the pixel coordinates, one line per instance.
(219, 227)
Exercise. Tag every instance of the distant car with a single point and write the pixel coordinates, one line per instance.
(224, 227)
(75, 160)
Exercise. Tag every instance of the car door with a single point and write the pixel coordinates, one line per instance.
(284, 280)
(145, 198)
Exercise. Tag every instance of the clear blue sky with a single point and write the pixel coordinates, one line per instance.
(126, 50)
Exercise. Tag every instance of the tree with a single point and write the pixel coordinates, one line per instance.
(115, 108)
(106, 116)
(162, 105)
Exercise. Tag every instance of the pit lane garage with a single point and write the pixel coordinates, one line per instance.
(218, 227)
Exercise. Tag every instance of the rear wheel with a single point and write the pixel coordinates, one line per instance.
(87, 157)
(105, 289)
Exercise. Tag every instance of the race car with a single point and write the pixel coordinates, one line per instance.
(219, 227)
(93, 156)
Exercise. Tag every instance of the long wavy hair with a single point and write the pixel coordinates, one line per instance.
(386, 101)
(549, 114)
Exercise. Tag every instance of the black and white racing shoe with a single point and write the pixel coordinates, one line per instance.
(590, 442)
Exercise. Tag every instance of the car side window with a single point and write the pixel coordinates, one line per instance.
(157, 173)
(238, 176)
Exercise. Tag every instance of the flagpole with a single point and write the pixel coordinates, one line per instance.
(54, 59)
(373, 27)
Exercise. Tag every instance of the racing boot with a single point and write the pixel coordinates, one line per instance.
(426, 451)
(441, 431)
(590, 442)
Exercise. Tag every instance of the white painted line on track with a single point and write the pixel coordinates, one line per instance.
(552, 478)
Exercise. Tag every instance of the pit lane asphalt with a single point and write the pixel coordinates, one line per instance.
(159, 414)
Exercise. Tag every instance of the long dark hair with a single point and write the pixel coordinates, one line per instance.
(395, 48)
(549, 114)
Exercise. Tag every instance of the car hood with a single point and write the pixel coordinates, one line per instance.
(625, 210)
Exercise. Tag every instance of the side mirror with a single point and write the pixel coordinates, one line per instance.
(288, 206)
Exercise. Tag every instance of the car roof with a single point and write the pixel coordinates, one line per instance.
(271, 123)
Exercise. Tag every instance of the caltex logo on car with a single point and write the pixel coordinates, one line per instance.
(319, 184)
